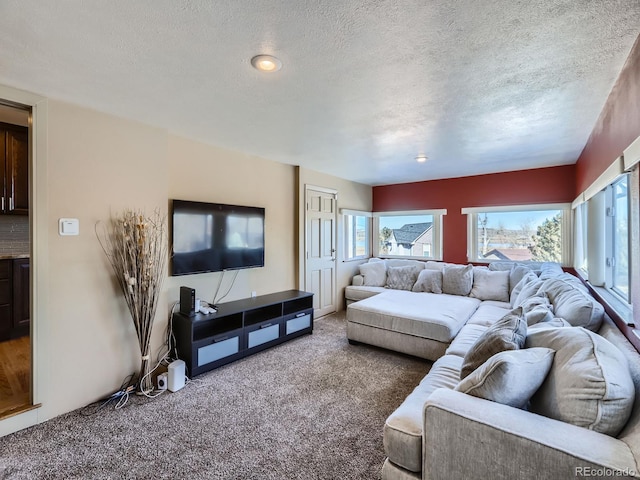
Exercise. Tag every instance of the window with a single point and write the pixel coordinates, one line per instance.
(617, 239)
(357, 234)
(519, 233)
(416, 234)
(580, 234)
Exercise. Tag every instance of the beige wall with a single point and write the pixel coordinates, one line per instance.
(209, 174)
(89, 164)
(96, 164)
(352, 196)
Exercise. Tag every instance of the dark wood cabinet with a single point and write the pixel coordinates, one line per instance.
(21, 297)
(6, 299)
(14, 169)
(14, 298)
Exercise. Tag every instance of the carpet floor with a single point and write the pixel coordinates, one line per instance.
(311, 408)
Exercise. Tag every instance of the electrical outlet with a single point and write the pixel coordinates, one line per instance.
(162, 381)
(254, 294)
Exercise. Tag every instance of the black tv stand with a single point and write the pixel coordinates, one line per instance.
(241, 328)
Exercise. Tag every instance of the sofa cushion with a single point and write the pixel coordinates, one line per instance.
(374, 274)
(402, 435)
(550, 270)
(429, 281)
(457, 279)
(508, 333)
(501, 266)
(525, 280)
(537, 309)
(516, 274)
(465, 339)
(403, 262)
(552, 323)
(433, 265)
(489, 313)
(572, 304)
(401, 278)
(427, 315)
(574, 281)
(528, 290)
(360, 293)
(510, 377)
(589, 383)
(490, 285)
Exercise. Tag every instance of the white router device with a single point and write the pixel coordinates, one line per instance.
(176, 376)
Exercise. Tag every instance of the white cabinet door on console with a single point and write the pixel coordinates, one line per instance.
(320, 258)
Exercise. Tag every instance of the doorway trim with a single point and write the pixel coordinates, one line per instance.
(38, 228)
(334, 286)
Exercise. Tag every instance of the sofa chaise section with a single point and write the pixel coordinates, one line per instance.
(424, 326)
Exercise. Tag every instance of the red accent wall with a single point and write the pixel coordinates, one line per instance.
(542, 185)
(617, 126)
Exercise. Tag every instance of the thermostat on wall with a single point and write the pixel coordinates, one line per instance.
(69, 226)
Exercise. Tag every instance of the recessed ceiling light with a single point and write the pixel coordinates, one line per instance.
(421, 158)
(266, 63)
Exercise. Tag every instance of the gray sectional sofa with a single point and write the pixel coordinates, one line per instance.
(561, 404)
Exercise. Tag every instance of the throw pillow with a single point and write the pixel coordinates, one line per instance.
(501, 266)
(490, 285)
(553, 323)
(525, 280)
(529, 290)
(589, 383)
(572, 304)
(550, 270)
(429, 281)
(457, 279)
(433, 265)
(508, 333)
(509, 377)
(401, 278)
(537, 309)
(374, 274)
(516, 274)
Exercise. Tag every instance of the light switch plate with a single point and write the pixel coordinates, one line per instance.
(69, 226)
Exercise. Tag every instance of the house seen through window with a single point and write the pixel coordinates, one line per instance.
(406, 235)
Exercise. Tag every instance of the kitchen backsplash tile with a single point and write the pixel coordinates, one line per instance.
(14, 234)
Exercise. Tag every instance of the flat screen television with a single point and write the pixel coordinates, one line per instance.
(213, 237)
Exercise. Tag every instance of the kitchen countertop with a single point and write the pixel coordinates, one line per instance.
(10, 256)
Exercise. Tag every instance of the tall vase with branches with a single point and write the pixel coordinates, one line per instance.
(136, 247)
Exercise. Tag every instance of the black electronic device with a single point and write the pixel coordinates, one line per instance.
(213, 237)
(187, 301)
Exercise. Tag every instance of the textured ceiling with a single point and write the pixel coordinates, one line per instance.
(365, 86)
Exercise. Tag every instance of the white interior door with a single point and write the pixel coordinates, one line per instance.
(320, 248)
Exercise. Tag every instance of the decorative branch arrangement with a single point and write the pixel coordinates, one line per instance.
(136, 247)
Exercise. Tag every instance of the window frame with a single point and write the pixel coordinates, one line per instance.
(350, 230)
(580, 236)
(436, 236)
(565, 228)
(610, 240)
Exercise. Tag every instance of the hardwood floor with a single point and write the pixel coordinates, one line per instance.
(15, 375)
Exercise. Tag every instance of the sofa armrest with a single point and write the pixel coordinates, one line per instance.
(468, 437)
(357, 281)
